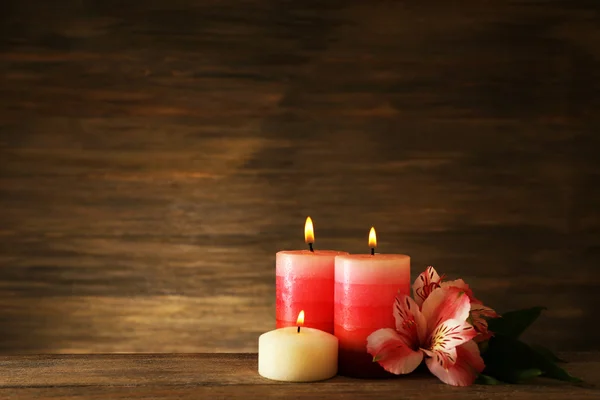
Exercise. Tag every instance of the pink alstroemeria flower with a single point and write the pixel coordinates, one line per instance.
(439, 331)
(429, 280)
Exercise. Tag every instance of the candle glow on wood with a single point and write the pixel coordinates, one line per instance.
(309, 233)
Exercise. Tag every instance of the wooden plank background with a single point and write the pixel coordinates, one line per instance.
(155, 155)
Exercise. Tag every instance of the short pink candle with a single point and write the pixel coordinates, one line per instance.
(305, 281)
(365, 289)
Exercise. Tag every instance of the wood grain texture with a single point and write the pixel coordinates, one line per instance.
(229, 376)
(155, 155)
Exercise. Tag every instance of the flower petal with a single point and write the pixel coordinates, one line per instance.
(425, 284)
(464, 371)
(410, 322)
(483, 311)
(478, 317)
(449, 334)
(443, 304)
(459, 283)
(388, 348)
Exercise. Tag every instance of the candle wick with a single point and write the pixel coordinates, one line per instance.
(372, 251)
(312, 250)
(298, 328)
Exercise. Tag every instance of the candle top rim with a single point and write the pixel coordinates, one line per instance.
(313, 253)
(293, 331)
(375, 257)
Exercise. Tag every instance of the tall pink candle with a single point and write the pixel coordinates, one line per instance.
(305, 281)
(365, 289)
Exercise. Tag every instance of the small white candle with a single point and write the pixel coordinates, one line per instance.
(297, 354)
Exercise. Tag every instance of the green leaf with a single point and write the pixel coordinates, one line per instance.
(526, 374)
(551, 370)
(547, 353)
(510, 360)
(514, 323)
(487, 380)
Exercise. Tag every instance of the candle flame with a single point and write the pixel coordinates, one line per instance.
(300, 320)
(309, 232)
(372, 238)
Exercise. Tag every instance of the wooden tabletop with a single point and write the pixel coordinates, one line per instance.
(194, 376)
